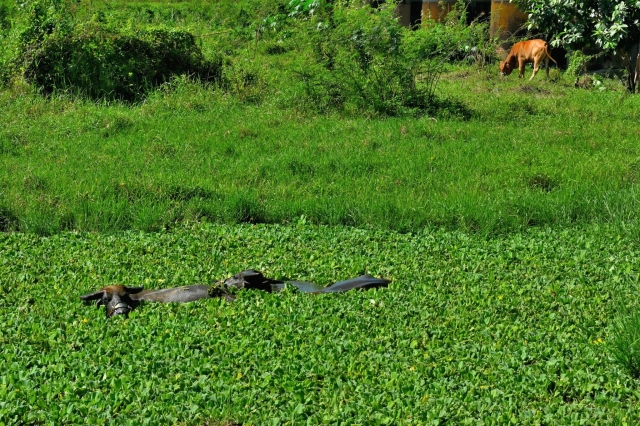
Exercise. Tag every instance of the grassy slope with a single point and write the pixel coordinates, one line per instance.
(192, 154)
(493, 330)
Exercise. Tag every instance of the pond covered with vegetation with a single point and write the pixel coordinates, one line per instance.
(167, 144)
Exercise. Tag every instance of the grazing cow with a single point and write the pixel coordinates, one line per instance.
(524, 52)
(120, 300)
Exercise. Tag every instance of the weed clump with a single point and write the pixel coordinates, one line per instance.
(542, 182)
(362, 61)
(103, 64)
(625, 344)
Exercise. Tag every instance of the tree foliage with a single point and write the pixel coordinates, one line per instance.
(610, 25)
(607, 24)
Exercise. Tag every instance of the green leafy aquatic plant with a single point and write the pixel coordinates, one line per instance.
(472, 329)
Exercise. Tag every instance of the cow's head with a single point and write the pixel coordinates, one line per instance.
(505, 68)
(115, 298)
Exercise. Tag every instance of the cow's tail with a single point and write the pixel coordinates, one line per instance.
(546, 50)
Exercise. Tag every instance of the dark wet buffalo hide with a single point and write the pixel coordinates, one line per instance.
(120, 300)
(252, 279)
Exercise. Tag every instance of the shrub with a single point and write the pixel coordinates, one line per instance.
(100, 63)
(6, 10)
(358, 63)
(579, 62)
(8, 40)
(453, 39)
(362, 60)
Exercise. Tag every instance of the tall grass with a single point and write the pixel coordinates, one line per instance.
(625, 343)
(557, 156)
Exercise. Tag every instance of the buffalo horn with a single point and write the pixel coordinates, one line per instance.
(93, 296)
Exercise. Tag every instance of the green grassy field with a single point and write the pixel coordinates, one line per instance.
(531, 154)
(504, 155)
(505, 214)
(471, 330)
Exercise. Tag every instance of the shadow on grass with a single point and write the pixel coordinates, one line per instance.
(8, 220)
(449, 108)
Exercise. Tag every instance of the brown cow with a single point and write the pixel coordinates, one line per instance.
(524, 52)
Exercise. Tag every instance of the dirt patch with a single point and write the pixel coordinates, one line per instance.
(533, 90)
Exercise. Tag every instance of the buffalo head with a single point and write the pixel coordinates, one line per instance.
(116, 299)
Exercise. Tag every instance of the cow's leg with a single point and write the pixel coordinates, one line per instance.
(536, 67)
(521, 65)
(546, 65)
(638, 72)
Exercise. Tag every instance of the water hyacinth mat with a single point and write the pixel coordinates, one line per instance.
(471, 329)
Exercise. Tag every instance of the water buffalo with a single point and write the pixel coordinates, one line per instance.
(120, 300)
(252, 279)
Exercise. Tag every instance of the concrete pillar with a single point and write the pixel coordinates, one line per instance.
(403, 10)
(436, 9)
(506, 19)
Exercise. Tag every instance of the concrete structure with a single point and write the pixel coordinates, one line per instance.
(506, 18)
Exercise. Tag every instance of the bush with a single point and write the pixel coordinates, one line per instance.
(7, 43)
(453, 39)
(100, 63)
(6, 10)
(57, 48)
(358, 63)
(362, 60)
(579, 62)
